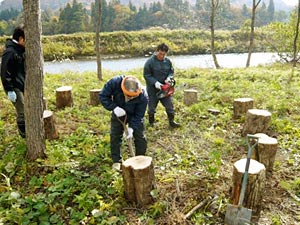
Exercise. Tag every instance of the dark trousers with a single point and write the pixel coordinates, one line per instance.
(116, 133)
(19, 106)
(166, 102)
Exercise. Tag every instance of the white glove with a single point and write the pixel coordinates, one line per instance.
(119, 112)
(158, 85)
(12, 96)
(130, 132)
(168, 80)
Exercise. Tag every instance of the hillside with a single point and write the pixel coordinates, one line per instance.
(56, 4)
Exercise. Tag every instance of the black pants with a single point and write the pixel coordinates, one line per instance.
(153, 101)
(116, 134)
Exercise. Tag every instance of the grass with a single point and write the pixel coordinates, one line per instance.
(75, 184)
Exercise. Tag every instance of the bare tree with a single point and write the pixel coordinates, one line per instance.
(35, 137)
(251, 44)
(295, 50)
(98, 4)
(214, 7)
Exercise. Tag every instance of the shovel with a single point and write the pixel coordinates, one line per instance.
(237, 214)
(129, 140)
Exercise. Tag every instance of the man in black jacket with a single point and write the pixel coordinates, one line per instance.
(13, 74)
(125, 97)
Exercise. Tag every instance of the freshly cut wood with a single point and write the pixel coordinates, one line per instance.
(64, 97)
(257, 121)
(255, 185)
(241, 106)
(138, 179)
(94, 97)
(265, 153)
(49, 125)
(190, 97)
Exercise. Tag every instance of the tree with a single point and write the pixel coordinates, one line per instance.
(271, 11)
(251, 38)
(295, 50)
(214, 7)
(35, 137)
(99, 64)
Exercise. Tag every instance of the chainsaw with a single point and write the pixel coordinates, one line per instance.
(167, 89)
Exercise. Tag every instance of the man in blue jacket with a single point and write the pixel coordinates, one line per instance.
(158, 70)
(13, 74)
(125, 97)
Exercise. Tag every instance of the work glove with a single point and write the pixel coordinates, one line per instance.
(119, 112)
(12, 96)
(130, 132)
(158, 85)
(169, 79)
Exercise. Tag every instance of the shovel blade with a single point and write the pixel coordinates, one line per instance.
(237, 215)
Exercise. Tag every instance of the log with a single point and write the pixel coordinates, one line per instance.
(255, 185)
(241, 106)
(265, 152)
(49, 125)
(190, 97)
(257, 121)
(138, 179)
(64, 97)
(94, 97)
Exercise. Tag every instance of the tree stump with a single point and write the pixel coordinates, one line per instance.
(94, 97)
(64, 97)
(241, 106)
(255, 185)
(49, 125)
(266, 151)
(139, 180)
(257, 121)
(190, 97)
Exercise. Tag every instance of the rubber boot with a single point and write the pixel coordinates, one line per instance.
(151, 119)
(172, 123)
(21, 128)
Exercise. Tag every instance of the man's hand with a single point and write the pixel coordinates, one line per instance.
(158, 85)
(130, 132)
(169, 79)
(12, 96)
(119, 112)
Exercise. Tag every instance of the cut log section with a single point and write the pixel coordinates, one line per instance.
(255, 185)
(257, 121)
(64, 97)
(94, 97)
(139, 180)
(49, 125)
(241, 106)
(190, 97)
(266, 151)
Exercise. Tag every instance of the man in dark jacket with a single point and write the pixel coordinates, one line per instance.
(13, 74)
(158, 70)
(124, 96)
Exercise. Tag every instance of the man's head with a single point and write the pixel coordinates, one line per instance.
(161, 51)
(131, 87)
(19, 35)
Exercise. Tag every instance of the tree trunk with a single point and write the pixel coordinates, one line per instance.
(251, 44)
(35, 137)
(99, 14)
(214, 6)
(296, 37)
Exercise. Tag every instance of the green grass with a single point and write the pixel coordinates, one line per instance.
(75, 184)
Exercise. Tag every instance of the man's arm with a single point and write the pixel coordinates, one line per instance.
(6, 76)
(150, 79)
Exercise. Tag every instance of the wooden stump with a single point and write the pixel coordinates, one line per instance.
(255, 185)
(139, 180)
(49, 125)
(257, 121)
(94, 97)
(45, 103)
(190, 97)
(64, 97)
(266, 151)
(241, 106)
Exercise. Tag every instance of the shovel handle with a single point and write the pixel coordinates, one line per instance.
(245, 177)
(129, 140)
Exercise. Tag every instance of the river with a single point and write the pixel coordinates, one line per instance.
(180, 62)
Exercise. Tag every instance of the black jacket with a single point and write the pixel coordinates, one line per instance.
(13, 66)
(112, 96)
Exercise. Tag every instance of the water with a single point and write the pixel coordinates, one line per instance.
(180, 62)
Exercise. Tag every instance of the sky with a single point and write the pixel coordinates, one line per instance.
(288, 2)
